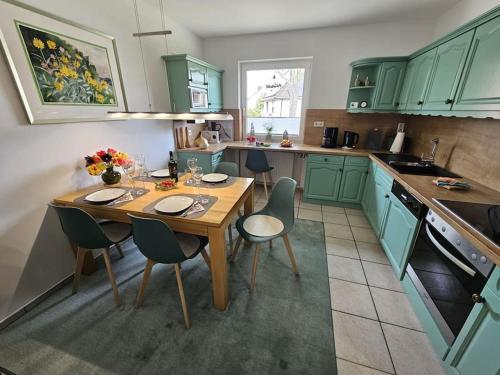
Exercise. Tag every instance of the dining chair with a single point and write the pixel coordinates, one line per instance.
(87, 234)
(279, 206)
(257, 163)
(231, 169)
(159, 244)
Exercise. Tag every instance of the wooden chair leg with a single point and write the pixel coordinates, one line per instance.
(182, 297)
(207, 258)
(144, 283)
(235, 250)
(230, 235)
(80, 258)
(290, 254)
(119, 248)
(255, 262)
(270, 179)
(107, 261)
(265, 184)
(270, 244)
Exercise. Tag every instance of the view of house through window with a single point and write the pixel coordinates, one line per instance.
(273, 99)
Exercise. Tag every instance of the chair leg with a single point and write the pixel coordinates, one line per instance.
(80, 258)
(107, 261)
(255, 262)
(270, 244)
(235, 250)
(265, 184)
(230, 235)
(144, 283)
(270, 179)
(119, 248)
(181, 295)
(207, 258)
(290, 254)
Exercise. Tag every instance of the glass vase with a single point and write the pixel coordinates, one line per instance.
(110, 176)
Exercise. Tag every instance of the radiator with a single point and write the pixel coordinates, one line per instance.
(281, 161)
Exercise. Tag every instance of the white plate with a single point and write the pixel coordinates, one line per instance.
(263, 225)
(105, 195)
(161, 173)
(173, 205)
(215, 177)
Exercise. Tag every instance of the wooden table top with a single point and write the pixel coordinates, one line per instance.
(227, 199)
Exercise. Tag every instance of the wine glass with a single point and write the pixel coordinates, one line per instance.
(142, 173)
(192, 164)
(129, 169)
(197, 176)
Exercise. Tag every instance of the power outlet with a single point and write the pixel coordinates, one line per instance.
(318, 124)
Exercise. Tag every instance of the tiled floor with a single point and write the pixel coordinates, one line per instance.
(376, 330)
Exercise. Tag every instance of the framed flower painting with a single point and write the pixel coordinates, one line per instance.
(64, 72)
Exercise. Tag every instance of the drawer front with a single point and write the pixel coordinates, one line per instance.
(321, 158)
(359, 161)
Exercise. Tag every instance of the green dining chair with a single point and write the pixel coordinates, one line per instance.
(231, 169)
(159, 244)
(280, 206)
(87, 234)
(257, 163)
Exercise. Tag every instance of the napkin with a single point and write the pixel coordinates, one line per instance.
(124, 198)
(451, 183)
(195, 208)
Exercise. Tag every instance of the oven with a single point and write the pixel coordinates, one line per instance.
(449, 274)
(198, 97)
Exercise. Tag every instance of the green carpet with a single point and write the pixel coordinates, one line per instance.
(284, 327)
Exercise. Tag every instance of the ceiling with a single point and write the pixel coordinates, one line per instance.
(208, 18)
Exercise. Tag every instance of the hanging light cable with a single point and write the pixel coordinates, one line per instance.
(138, 23)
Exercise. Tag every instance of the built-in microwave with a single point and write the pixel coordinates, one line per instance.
(199, 97)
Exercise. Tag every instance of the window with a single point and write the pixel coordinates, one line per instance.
(274, 95)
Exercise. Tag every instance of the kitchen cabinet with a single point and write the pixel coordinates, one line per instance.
(390, 80)
(207, 161)
(352, 185)
(407, 83)
(446, 72)
(398, 234)
(214, 79)
(480, 85)
(322, 181)
(420, 79)
(185, 72)
(376, 198)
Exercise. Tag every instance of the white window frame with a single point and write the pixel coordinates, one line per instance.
(280, 63)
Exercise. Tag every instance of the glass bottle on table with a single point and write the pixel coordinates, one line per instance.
(172, 167)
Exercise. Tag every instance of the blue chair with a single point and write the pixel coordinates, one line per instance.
(257, 163)
(87, 234)
(280, 206)
(159, 244)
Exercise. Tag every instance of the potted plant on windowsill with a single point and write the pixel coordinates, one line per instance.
(269, 132)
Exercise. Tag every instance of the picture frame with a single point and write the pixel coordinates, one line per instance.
(64, 71)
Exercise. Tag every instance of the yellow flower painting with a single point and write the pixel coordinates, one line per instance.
(66, 70)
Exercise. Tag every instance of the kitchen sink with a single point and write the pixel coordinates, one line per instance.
(409, 164)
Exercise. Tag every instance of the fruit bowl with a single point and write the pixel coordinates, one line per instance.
(166, 185)
(286, 143)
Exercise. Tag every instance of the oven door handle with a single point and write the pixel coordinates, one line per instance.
(447, 254)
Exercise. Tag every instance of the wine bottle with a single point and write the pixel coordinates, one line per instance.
(172, 167)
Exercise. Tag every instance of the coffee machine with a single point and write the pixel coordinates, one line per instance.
(350, 139)
(330, 137)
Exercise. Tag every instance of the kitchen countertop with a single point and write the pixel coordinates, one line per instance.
(420, 186)
(424, 190)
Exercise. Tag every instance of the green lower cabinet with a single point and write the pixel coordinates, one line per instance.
(208, 162)
(322, 181)
(352, 185)
(376, 198)
(398, 234)
(476, 349)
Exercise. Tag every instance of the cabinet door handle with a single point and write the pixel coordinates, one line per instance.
(420, 102)
(386, 196)
(326, 159)
(477, 298)
(209, 104)
(341, 169)
(396, 104)
(448, 101)
(190, 80)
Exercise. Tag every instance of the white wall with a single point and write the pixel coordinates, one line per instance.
(461, 13)
(332, 48)
(44, 161)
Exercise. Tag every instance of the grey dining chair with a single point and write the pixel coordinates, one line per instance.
(87, 234)
(280, 206)
(159, 244)
(231, 169)
(257, 163)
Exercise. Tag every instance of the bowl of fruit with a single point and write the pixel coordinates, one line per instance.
(165, 185)
(286, 143)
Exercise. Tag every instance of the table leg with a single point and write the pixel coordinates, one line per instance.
(220, 290)
(249, 204)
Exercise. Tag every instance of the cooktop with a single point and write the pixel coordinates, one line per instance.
(483, 217)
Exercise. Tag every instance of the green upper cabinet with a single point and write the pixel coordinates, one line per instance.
(390, 80)
(186, 73)
(353, 183)
(446, 72)
(420, 79)
(480, 85)
(214, 79)
(398, 233)
(407, 83)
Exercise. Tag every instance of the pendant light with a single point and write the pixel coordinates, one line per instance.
(150, 115)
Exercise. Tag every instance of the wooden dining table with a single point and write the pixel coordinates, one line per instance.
(212, 223)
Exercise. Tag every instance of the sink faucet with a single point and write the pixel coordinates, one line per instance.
(429, 160)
